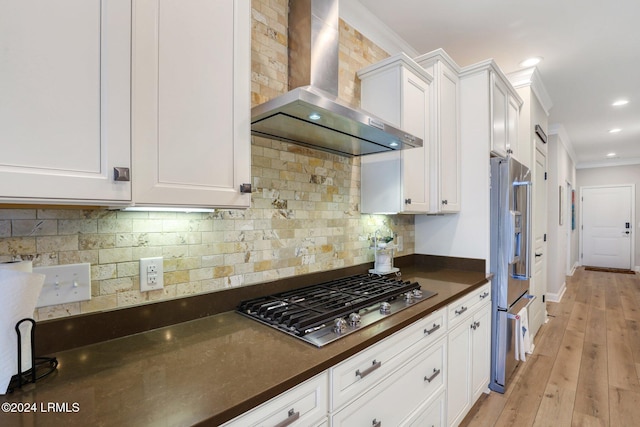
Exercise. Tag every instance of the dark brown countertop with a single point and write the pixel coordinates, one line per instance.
(204, 371)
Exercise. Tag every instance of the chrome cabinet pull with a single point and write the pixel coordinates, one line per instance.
(475, 325)
(374, 365)
(484, 295)
(376, 423)
(292, 416)
(432, 330)
(462, 310)
(436, 372)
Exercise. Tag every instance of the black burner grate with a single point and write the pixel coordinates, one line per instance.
(302, 310)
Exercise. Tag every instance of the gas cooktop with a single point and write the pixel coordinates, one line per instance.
(322, 313)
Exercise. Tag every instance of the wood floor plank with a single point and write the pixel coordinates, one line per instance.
(633, 336)
(522, 406)
(596, 326)
(629, 297)
(556, 407)
(621, 365)
(566, 368)
(625, 407)
(592, 397)
(578, 318)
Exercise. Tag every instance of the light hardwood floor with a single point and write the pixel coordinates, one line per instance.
(586, 364)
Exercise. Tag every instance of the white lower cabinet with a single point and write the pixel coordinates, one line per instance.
(469, 359)
(303, 405)
(392, 401)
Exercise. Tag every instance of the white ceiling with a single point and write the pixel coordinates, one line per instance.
(591, 51)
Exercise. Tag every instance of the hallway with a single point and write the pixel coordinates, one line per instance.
(586, 364)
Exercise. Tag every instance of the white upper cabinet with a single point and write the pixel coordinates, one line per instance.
(191, 103)
(491, 109)
(64, 101)
(397, 90)
(444, 130)
(505, 115)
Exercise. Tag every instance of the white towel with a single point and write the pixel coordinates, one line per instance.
(524, 343)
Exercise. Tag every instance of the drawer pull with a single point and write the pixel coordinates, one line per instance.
(374, 365)
(462, 310)
(436, 372)
(376, 423)
(484, 295)
(432, 330)
(292, 416)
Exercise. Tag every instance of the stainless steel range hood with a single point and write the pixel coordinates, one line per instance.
(311, 114)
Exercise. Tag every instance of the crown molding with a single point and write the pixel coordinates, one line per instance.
(359, 17)
(531, 77)
(491, 65)
(609, 163)
(428, 58)
(398, 59)
(565, 140)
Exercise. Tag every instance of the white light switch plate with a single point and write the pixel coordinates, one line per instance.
(64, 284)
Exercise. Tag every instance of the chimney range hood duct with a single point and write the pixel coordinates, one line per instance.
(311, 114)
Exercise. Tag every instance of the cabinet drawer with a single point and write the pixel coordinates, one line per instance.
(364, 370)
(400, 394)
(431, 414)
(464, 306)
(303, 405)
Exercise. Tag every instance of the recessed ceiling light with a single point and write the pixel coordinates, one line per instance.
(620, 102)
(616, 130)
(530, 62)
(611, 154)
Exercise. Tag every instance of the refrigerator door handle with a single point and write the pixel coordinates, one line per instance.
(521, 227)
(527, 244)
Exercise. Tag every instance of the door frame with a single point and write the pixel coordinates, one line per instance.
(633, 218)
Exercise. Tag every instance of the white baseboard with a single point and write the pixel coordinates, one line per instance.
(573, 269)
(557, 297)
(636, 268)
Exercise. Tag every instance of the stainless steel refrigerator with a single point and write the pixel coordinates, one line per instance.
(510, 261)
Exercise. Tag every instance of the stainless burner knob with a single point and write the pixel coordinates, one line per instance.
(339, 325)
(417, 293)
(385, 308)
(354, 320)
(408, 297)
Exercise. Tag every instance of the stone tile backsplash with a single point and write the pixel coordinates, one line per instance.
(304, 218)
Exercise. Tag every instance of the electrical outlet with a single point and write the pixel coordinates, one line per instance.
(151, 274)
(400, 243)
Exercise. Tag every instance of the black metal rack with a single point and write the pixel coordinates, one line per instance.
(40, 366)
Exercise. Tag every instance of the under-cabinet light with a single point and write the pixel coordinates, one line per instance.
(165, 209)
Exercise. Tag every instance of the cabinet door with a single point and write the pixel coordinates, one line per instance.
(513, 116)
(498, 117)
(458, 381)
(449, 167)
(481, 350)
(415, 161)
(64, 100)
(191, 102)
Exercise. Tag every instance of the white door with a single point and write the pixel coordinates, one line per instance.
(538, 286)
(606, 226)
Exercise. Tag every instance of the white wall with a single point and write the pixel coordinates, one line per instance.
(465, 234)
(561, 249)
(614, 175)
